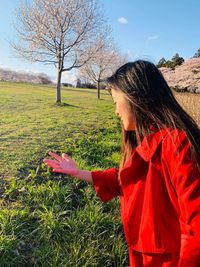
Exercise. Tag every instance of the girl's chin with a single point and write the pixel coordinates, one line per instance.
(128, 128)
(125, 126)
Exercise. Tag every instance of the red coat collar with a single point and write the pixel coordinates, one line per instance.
(150, 143)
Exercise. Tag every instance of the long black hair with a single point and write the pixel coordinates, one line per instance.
(153, 103)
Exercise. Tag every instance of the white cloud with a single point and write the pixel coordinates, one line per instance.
(122, 20)
(69, 77)
(152, 38)
(3, 66)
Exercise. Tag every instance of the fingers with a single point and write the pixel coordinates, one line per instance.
(51, 163)
(54, 155)
(65, 156)
(55, 164)
(58, 170)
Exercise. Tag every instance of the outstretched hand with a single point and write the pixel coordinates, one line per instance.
(62, 164)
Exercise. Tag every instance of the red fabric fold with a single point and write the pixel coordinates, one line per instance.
(106, 183)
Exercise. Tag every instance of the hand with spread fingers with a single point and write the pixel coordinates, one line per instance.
(63, 164)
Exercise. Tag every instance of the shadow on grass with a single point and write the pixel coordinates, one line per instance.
(50, 219)
(66, 105)
(93, 91)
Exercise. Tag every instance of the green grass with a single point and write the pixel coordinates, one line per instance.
(49, 219)
(31, 123)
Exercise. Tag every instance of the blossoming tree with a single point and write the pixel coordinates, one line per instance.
(59, 32)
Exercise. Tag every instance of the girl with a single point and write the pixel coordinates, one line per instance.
(158, 179)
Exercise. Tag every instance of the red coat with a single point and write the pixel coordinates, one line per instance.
(159, 198)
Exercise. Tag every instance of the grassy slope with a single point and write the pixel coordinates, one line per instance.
(32, 123)
(48, 219)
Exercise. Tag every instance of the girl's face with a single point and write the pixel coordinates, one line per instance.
(123, 110)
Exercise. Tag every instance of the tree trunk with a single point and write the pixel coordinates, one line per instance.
(98, 89)
(58, 95)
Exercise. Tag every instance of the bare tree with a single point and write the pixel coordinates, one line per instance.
(105, 62)
(59, 32)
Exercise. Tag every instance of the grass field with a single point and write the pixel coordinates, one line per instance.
(49, 219)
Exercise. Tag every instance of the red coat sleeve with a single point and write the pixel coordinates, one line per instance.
(106, 183)
(185, 177)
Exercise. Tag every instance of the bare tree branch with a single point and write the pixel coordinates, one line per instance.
(64, 33)
(106, 60)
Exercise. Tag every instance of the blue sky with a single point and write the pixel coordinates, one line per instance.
(141, 28)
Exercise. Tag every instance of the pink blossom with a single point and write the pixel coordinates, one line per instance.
(185, 77)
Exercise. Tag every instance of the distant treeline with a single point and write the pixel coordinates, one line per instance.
(16, 76)
(80, 84)
(175, 61)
